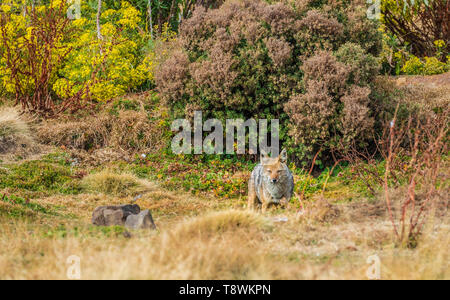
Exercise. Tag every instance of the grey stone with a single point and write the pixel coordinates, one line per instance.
(130, 209)
(127, 235)
(114, 215)
(143, 220)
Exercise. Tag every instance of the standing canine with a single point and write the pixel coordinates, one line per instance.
(271, 182)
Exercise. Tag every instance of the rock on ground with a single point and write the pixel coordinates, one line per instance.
(143, 220)
(114, 215)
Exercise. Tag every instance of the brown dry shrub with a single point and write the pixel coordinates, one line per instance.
(333, 109)
(245, 56)
(248, 58)
(132, 131)
(82, 134)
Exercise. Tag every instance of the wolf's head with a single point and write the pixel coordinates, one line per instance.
(274, 167)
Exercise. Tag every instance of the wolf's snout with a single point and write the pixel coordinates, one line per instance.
(274, 180)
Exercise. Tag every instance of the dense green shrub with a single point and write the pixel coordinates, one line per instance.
(247, 59)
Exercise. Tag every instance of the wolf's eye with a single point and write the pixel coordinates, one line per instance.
(279, 171)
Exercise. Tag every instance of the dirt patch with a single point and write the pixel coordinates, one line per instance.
(363, 211)
(440, 80)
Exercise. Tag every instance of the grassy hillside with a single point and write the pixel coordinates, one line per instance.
(53, 175)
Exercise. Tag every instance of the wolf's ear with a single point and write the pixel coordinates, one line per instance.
(263, 156)
(283, 156)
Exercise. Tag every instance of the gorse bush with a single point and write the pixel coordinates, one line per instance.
(119, 52)
(308, 63)
(32, 47)
(51, 63)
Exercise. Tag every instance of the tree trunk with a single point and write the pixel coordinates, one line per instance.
(150, 19)
(99, 34)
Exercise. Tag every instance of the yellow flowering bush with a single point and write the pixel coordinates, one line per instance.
(123, 68)
(398, 60)
(82, 64)
(414, 37)
(434, 66)
(32, 47)
(413, 66)
(427, 66)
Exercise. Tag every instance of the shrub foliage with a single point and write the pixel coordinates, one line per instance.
(308, 63)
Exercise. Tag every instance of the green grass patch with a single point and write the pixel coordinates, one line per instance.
(19, 207)
(200, 174)
(41, 178)
(227, 176)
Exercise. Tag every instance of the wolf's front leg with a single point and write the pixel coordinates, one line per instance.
(252, 198)
(264, 207)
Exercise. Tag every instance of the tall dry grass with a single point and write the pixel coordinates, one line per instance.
(106, 136)
(13, 129)
(113, 183)
(16, 138)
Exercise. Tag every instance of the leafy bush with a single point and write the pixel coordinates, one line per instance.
(246, 59)
(32, 46)
(51, 64)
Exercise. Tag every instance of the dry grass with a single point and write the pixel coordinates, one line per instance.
(426, 92)
(199, 237)
(106, 136)
(230, 244)
(112, 183)
(220, 222)
(202, 238)
(15, 136)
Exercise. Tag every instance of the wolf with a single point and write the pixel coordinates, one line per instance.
(271, 182)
